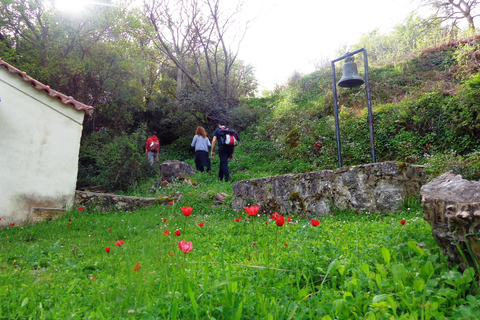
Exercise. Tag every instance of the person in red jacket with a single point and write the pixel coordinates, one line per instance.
(152, 148)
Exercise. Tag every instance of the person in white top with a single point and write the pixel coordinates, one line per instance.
(201, 143)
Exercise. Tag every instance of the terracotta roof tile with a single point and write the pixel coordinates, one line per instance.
(52, 93)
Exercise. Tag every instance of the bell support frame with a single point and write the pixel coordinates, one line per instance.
(369, 103)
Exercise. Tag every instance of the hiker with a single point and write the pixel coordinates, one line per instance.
(225, 148)
(152, 148)
(201, 143)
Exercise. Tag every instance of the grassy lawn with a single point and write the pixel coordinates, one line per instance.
(351, 266)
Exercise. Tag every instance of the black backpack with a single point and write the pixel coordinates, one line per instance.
(228, 137)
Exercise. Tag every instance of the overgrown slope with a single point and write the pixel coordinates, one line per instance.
(426, 111)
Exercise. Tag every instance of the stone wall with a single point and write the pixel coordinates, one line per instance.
(374, 187)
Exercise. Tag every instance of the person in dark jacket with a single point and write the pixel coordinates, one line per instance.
(225, 152)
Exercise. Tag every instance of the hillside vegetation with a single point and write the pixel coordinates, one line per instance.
(426, 109)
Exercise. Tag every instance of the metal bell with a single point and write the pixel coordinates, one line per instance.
(350, 77)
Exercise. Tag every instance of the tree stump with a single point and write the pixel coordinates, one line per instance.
(451, 205)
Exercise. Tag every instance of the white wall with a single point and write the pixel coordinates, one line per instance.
(39, 146)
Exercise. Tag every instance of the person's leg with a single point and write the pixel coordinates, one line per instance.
(223, 171)
(209, 164)
(198, 161)
(151, 157)
(224, 165)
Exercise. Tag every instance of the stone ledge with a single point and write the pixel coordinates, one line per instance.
(102, 201)
(375, 187)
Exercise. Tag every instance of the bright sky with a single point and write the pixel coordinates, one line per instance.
(293, 35)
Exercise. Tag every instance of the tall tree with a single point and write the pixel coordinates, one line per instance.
(454, 10)
(197, 36)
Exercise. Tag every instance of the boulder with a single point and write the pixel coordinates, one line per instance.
(451, 205)
(172, 169)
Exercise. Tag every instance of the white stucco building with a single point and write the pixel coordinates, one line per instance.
(40, 131)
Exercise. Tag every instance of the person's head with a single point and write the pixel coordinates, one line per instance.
(201, 132)
(222, 123)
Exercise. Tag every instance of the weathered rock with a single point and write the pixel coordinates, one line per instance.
(220, 198)
(451, 205)
(375, 187)
(101, 201)
(171, 169)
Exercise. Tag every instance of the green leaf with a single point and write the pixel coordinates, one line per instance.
(25, 302)
(223, 283)
(399, 273)
(413, 245)
(386, 255)
(380, 298)
(418, 285)
(427, 270)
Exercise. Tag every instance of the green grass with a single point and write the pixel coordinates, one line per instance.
(352, 266)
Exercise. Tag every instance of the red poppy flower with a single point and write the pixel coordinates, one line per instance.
(237, 220)
(289, 220)
(249, 259)
(252, 211)
(254, 243)
(187, 211)
(92, 278)
(170, 203)
(286, 244)
(105, 209)
(185, 246)
(81, 208)
(107, 249)
(403, 222)
(266, 222)
(69, 220)
(315, 223)
(110, 229)
(12, 224)
(274, 215)
(280, 220)
(180, 175)
(201, 224)
(177, 233)
(171, 254)
(68, 226)
(137, 267)
(119, 243)
(166, 232)
(164, 219)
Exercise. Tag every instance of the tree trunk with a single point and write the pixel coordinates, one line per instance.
(451, 205)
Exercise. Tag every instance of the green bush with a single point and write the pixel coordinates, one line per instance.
(468, 166)
(113, 163)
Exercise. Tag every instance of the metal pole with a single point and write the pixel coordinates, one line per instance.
(337, 126)
(369, 105)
